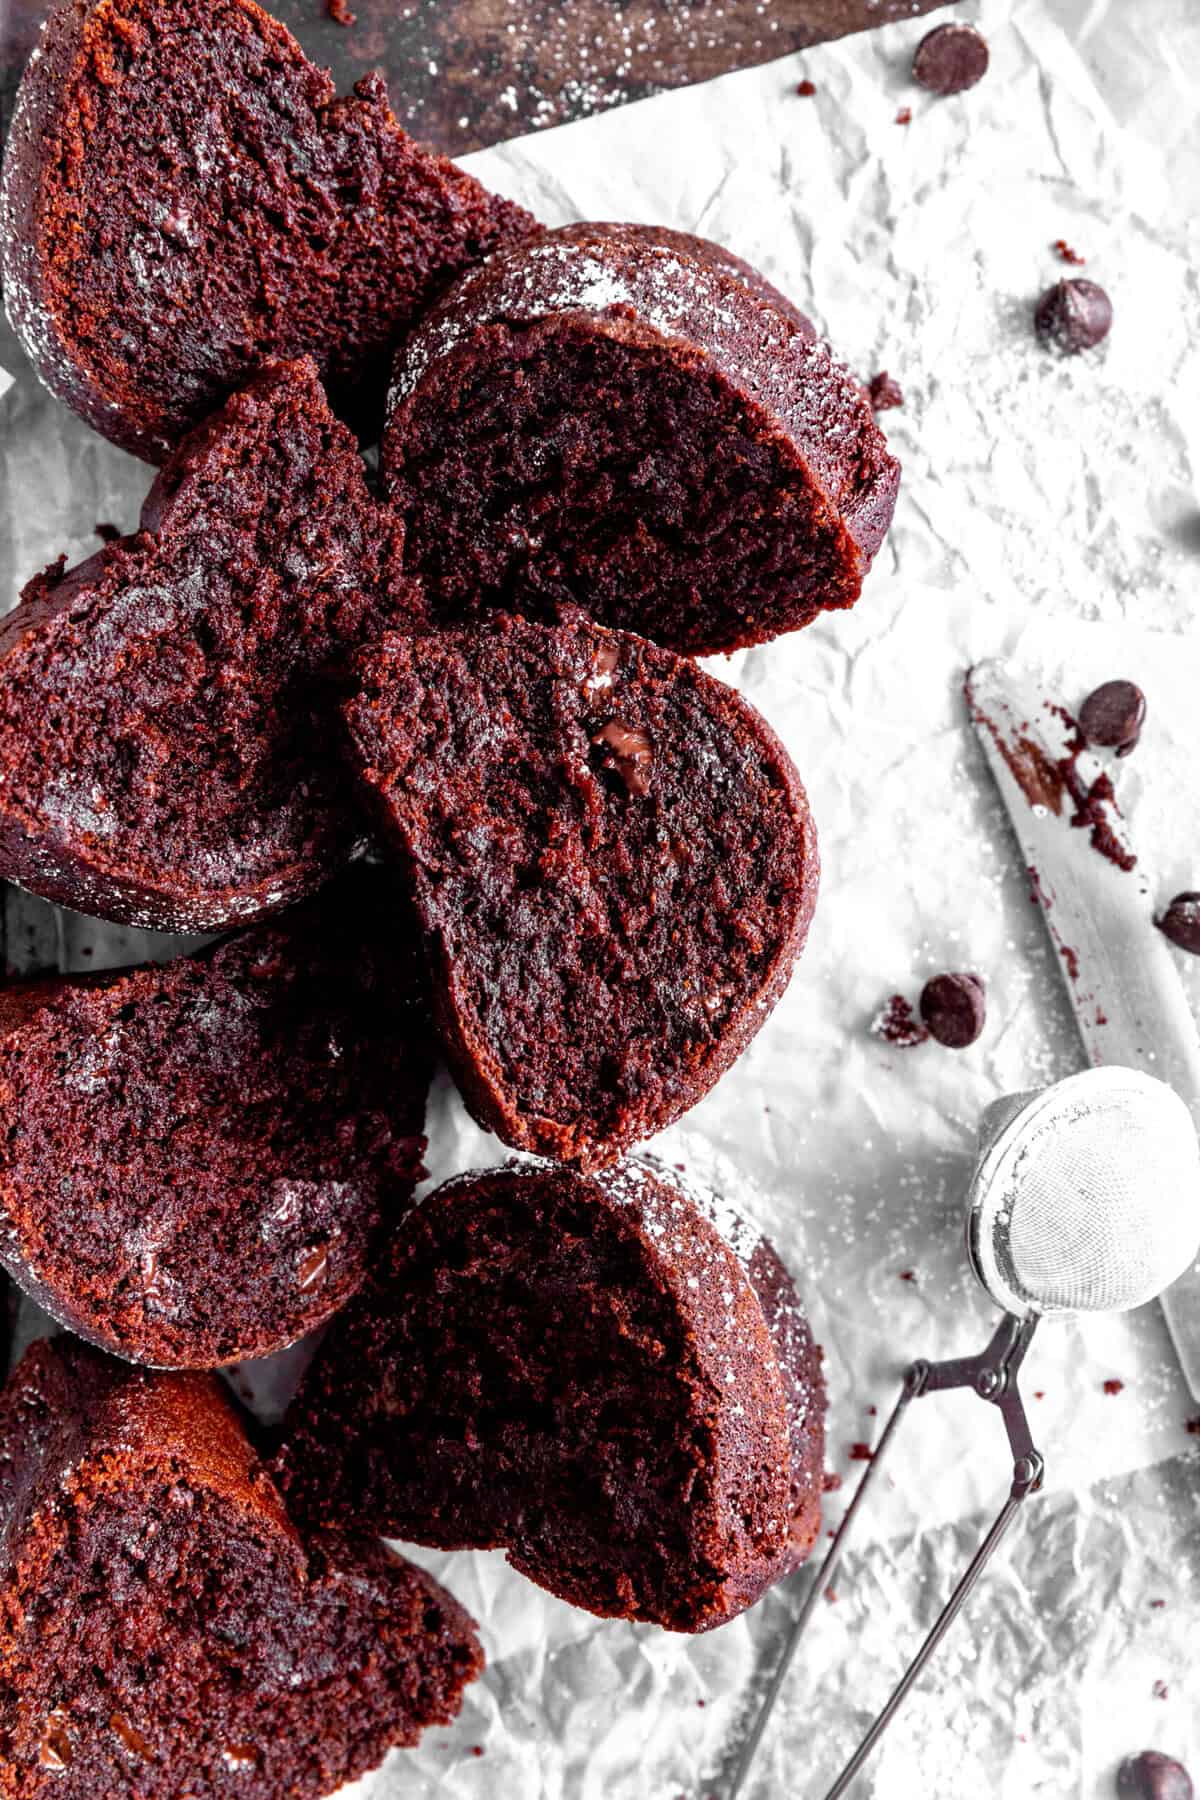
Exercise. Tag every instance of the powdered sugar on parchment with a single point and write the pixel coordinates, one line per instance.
(1050, 511)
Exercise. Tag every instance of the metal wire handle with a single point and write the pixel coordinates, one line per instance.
(993, 1376)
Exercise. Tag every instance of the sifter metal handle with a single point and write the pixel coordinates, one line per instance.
(993, 1376)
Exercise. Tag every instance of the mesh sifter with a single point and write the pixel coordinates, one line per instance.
(1085, 1198)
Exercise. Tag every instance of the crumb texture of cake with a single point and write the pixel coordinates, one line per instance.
(612, 859)
(199, 1159)
(165, 760)
(635, 421)
(185, 196)
(165, 1631)
(610, 1376)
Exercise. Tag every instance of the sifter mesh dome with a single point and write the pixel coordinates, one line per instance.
(1085, 1196)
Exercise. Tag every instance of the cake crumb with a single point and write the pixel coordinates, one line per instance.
(806, 89)
(896, 1023)
(884, 393)
(339, 12)
(1113, 1386)
(904, 116)
(861, 1453)
(1065, 253)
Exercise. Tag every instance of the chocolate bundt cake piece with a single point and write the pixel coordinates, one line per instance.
(586, 1371)
(634, 420)
(185, 196)
(160, 764)
(612, 858)
(165, 1631)
(198, 1159)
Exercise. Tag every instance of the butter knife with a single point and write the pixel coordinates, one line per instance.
(1120, 973)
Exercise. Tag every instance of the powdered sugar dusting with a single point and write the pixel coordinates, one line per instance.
(729, 1222)
(636, 278)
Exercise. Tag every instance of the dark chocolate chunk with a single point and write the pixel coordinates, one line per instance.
(1153, 1776)
(950, 58)
(1073, 315)
(1181, 923)
(884, 392)
(1112, 716)
(632, 753)
(954, 1008)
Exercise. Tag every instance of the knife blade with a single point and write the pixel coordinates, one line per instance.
(1128, 999)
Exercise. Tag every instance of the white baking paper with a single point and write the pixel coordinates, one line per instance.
(1049, 511)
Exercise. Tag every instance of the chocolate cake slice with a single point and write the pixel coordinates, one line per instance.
(185, 196)
(634, 420)
(165, 759)
(612, 859)
(199, 1159)
(165, 1631)
(610, 1376)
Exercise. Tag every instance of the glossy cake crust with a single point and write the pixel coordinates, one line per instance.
(167, 757)
(165, 1630)
(200, 1158)
(185, 196)
(609, 1376)
(635, 421)
(612, 858)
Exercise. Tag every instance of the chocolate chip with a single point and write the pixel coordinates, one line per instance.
(950, 58)
(1112, 716)
(312, 1268)
(131, 1737)
(1153, 1776)
(954, 1008)
(632, 754)
(54, 1751)
(1073, 315)
(884, 392)
(1181, 923)
(240, 1756)
(605, 661)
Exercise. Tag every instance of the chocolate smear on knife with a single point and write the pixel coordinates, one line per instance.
(1055, 776)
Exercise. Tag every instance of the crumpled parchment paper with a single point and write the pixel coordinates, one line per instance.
(1050, 511)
